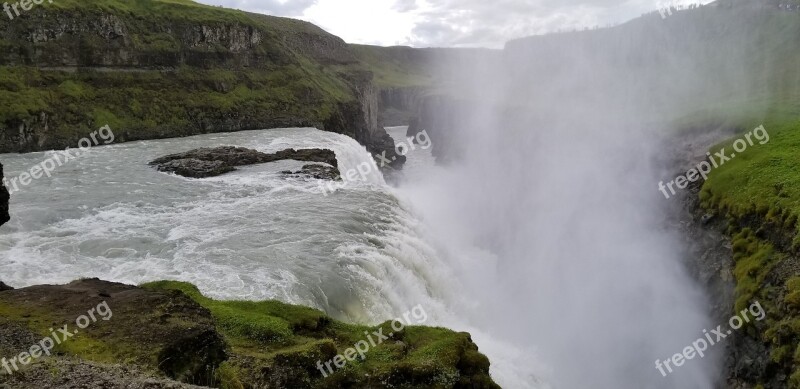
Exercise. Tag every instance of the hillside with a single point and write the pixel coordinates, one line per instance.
(163, 68)
(407, 76)
(727, 61)
(168, 335)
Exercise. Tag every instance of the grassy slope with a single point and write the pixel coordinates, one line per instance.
(269, 333)
(758, 193)
(395, 66)
(254, 343)
(289, 87)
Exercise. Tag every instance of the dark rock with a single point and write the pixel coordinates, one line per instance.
(162, 331)
(4, 287)
(398, 105)
(320, 172)
(4, 199)
(210, 162)
(195, 168)
(383, 150)
(84, 374)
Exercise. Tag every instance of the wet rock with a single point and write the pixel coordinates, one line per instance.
(195, 168)
(4, 199)
(210, 162)
(383, 150)
(320, 172)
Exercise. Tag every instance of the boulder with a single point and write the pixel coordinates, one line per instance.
(320, 172)
(210, 162)
(195, 168)
(163, 331)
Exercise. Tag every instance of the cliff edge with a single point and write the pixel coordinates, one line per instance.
(159, 69)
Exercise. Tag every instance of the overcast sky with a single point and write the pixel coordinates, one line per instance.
(450, 23)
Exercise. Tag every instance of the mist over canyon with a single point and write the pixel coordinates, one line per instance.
(326, 189)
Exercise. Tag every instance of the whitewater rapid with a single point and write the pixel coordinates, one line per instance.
(360, 254)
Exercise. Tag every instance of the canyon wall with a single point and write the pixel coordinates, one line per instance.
(158, 70)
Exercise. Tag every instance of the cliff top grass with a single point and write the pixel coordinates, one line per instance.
(395, 66)
(271, 335)
(758, 196)
(185, 10)
(763, 180)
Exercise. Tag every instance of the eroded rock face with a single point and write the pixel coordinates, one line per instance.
(210, 162)
(155, 330)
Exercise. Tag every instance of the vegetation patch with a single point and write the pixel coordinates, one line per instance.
(280, 345)
(758, 194)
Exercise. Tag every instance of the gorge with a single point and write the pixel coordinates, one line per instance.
(534, 222)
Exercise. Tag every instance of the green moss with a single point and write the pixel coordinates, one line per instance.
(792, 297)
(285, 342)
(228, 376)
(763, 179)
(754, 260)
(758, 191)
(146, 105)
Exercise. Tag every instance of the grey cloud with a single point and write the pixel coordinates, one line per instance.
(405, 5)
(480, 23)
(492, 23)
(291, 8)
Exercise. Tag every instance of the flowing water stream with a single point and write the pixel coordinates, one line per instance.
(366, 253)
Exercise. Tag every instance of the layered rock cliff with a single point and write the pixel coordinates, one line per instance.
(156, 69)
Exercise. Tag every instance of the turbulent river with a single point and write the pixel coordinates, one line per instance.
(361, 254)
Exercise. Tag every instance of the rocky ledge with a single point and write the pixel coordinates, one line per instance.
(320, 172)
(168, 335)
(210, 162)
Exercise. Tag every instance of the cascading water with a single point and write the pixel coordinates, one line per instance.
(358, 253)
(479, 251)
(249, 234)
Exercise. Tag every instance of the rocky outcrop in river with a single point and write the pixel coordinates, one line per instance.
(210, 162)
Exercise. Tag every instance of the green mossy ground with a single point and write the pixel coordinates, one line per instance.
(169, 329)
(166, 77)
(281, 344)
(758, 193)
(395, 67)
(155, 104)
